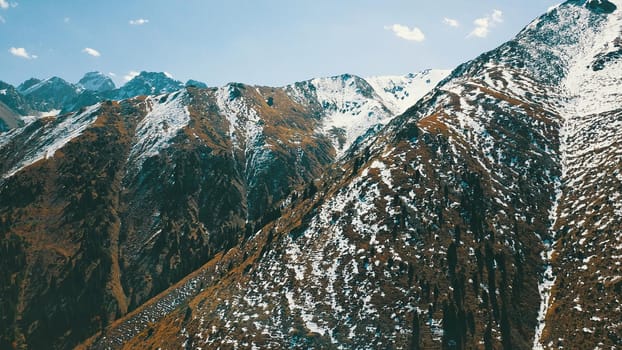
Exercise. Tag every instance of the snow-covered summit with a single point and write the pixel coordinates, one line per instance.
(352, 105)
(149, 83)
(96, 81)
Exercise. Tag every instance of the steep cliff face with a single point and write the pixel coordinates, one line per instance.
(484, 217)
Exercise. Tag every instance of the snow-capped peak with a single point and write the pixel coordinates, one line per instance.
(353, 105)
(96, 81)
(149, 83)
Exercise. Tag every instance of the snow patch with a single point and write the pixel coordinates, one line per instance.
(400, 92)
(54, 136)
(167, 116)
(351, 107)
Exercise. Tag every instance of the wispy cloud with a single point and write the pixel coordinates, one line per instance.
(21, 52)
(129, 76)
(451, 22)
(4, 5)
(92, 52)
(484, 24)
(66, 19)
(136, 22)
(497, 16)
(402, 31)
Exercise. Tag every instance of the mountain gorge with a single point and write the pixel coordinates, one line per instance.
(472, 209)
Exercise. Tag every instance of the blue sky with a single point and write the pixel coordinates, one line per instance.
(267, 42)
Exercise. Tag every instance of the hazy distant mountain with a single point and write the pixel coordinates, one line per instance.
(196, 83)
(50, 94)
(27, 84)
(96, 81)
(13, 99)
(148, 83)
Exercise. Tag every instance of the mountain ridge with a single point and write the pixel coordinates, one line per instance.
(41, 98)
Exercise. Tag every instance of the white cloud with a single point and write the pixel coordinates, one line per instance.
(484, 24)
(482, 27)
(66, 19)
(21, 52)
(451, 22)
(402, 31)
(497, 16)
(129, 76)
(4, 4)
(136, 22)
(92, 52)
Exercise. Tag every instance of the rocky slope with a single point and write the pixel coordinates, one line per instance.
(486, 216)
(104, 207)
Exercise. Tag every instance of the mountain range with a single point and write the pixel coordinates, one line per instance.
(474, 209)
(129, 210)
(35, 97)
